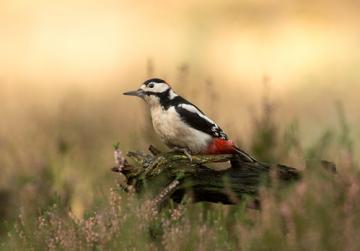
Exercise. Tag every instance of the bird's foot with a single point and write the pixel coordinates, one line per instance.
(182, 150)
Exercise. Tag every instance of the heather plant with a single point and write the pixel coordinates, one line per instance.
(318, 213)
(60, 194)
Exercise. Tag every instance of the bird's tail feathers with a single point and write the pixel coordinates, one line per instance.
(244, 156)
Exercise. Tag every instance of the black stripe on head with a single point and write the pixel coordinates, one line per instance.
(163, 96)
(155, 80)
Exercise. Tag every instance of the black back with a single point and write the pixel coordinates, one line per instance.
(193, 119)
(200, 123)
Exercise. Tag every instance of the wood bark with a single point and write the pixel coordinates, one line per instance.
(212, 178)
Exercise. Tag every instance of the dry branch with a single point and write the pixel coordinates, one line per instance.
(213, 178)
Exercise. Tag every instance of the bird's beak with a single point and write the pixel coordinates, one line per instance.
(138, 93)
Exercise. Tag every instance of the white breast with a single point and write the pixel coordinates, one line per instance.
(174, 132)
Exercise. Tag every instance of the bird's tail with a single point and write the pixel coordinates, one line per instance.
(224, 146)
(244, 156)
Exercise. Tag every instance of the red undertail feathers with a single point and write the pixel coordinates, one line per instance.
(223, 146)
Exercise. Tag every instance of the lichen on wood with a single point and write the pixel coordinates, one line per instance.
(221, 178)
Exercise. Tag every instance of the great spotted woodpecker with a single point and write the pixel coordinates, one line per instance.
(181, 125)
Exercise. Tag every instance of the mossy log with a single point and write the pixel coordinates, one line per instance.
(212, 178)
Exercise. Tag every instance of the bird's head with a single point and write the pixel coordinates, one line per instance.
(153, 91)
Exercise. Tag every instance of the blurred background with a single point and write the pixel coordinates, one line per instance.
(65, 64)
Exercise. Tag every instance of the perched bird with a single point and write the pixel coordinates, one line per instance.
(181, 125)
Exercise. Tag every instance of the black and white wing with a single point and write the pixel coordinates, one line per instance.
(192, 116)
(195, 118)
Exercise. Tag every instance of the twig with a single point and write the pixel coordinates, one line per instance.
(164, 194)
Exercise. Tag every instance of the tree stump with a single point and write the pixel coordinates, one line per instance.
(221, 178)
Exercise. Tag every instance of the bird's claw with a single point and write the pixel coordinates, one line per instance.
(184, 151)
(188, 155)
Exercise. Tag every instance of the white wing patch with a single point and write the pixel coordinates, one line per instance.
(193, 109)
(217, 132)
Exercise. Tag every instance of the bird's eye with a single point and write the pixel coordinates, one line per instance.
(151, 85)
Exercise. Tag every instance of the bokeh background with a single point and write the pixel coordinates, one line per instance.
(65, 64)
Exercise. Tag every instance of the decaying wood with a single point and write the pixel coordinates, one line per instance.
(213, 178)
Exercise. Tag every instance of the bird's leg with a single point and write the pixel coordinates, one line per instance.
(182, 150)
(186, 152)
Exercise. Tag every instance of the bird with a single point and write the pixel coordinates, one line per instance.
(181, 125)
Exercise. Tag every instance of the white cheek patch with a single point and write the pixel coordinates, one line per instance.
(172, 94)
(160, 87)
